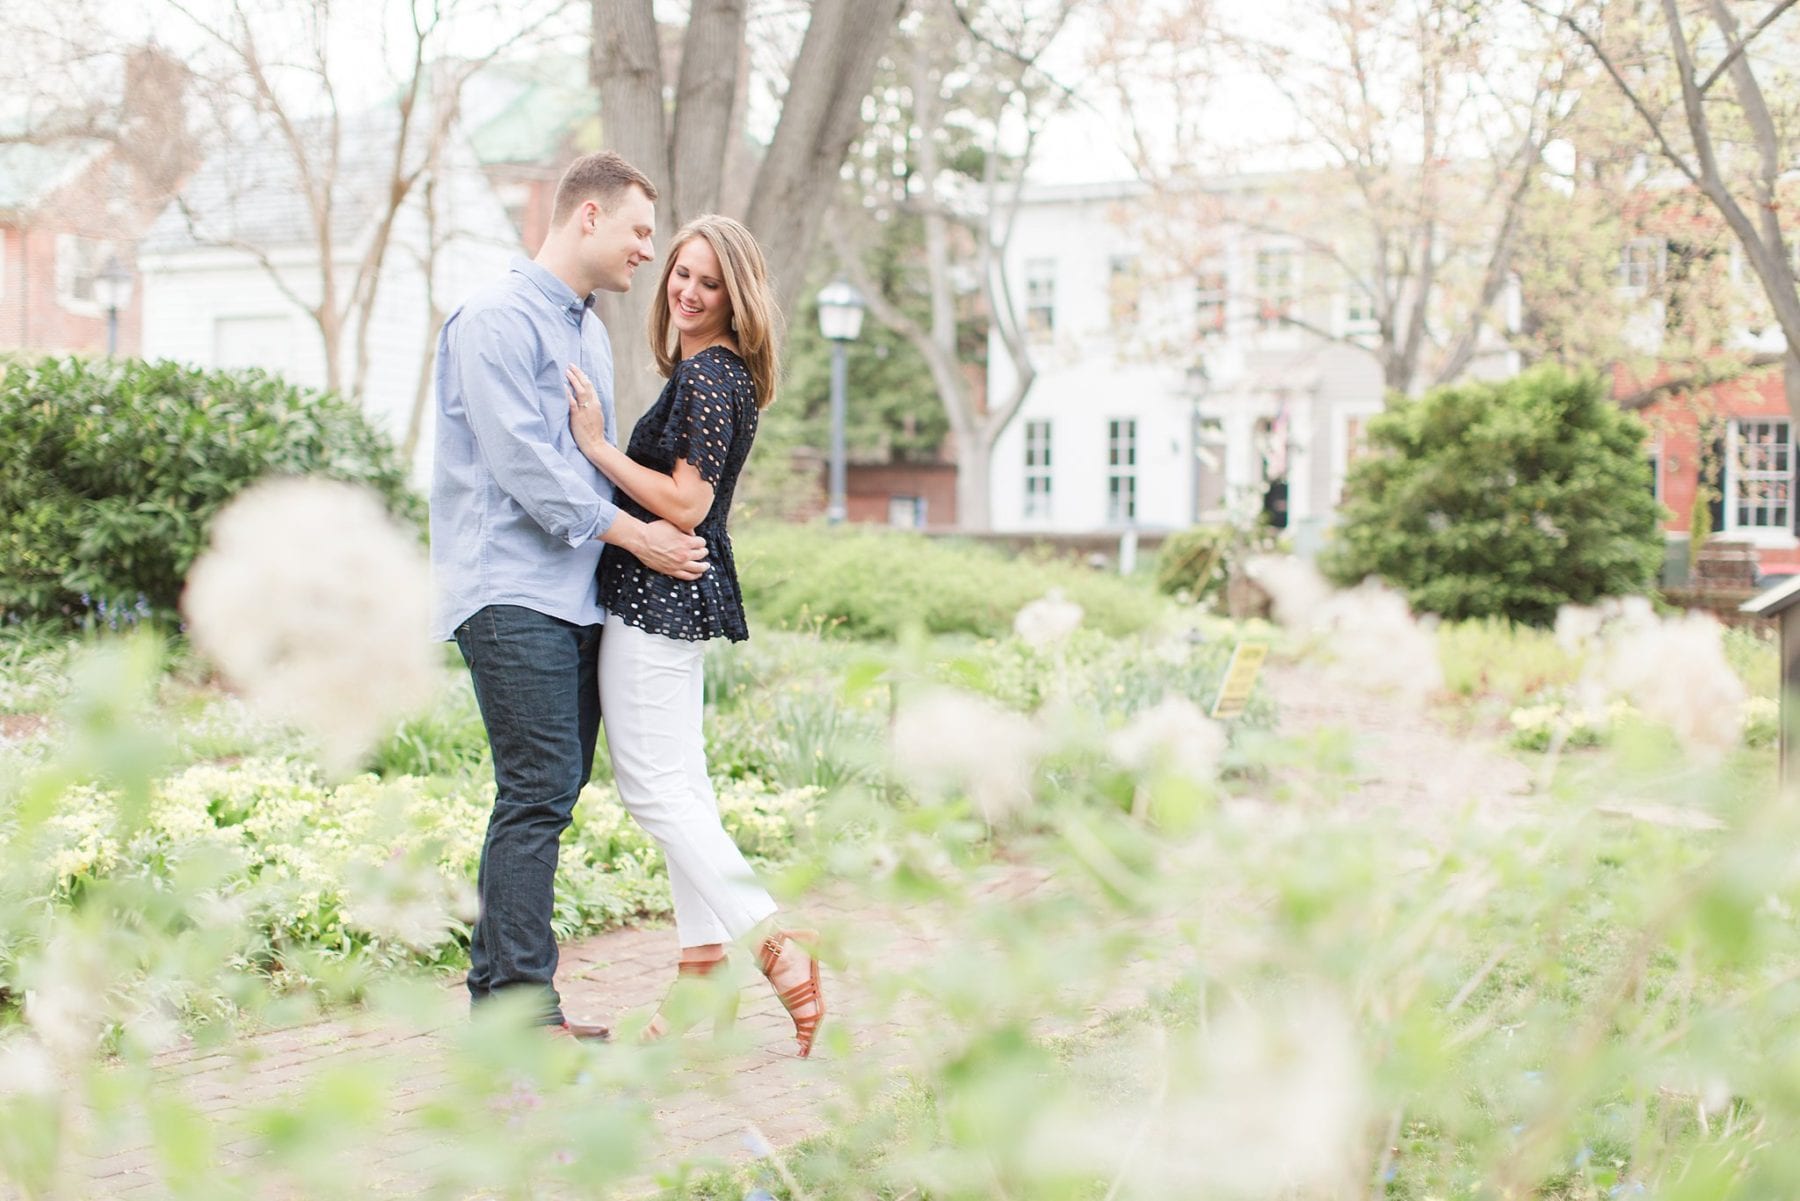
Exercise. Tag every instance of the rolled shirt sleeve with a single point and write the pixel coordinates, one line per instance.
(496, 356)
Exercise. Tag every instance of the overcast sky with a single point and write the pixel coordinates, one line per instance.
(1245, 121)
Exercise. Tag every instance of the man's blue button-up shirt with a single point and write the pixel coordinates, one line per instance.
(516, 508)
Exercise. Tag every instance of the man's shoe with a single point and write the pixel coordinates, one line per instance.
(583, 1031)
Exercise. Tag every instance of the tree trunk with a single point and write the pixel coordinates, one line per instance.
(820, 116)
(1790, 379)
(627, 67)
(703, 106)
(415, 414)
(974, 466)
(331, 338)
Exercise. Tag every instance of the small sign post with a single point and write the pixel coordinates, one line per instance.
(1782, 603)
(1240, 679)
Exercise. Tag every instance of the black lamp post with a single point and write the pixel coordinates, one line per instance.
(112, 288)
(840, 320)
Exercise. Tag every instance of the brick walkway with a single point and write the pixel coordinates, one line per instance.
(765, 1093)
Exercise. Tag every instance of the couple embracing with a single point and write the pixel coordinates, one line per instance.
(581, 582)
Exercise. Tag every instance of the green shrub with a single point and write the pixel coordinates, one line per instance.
(1193, 561)
(1505, 500)
(873, 583)
(116, 467)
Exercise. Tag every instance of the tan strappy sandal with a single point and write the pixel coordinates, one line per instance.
(724, 1016)
(800, 995)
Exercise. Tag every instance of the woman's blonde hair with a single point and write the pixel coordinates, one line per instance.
(755, 318)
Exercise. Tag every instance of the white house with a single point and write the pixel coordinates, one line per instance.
(229, 268)
(1168, 395)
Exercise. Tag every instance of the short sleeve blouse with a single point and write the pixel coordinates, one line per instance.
(707, 416)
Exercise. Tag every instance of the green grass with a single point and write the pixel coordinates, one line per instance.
(1755, 654)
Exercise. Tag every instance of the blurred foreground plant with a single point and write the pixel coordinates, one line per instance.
(1135, 978)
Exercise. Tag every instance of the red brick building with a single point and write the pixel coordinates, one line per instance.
(1740, 439)
(62, 209)
(915, 496)
(70, 206)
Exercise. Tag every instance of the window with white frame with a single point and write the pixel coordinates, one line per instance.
(1209, 302)
(1759, 487)
(1642, 262)
(1124, 282)
(1037, 469)
(1359, 312)
(79, 261)
(1277, 285)
(1121, 471)
(1040, 297)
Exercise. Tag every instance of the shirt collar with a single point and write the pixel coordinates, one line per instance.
(559, 293)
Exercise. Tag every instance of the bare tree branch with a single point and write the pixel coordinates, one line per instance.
(422, 119)
(1651, 121)
(1741, 45)
(1719, 371)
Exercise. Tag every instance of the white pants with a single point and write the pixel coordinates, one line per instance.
(651, 697)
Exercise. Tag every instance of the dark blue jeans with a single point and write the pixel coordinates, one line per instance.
(535, 680)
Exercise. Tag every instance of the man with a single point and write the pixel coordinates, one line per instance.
(517, 518)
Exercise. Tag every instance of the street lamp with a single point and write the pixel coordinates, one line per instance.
(840, 320)
(112, 288)
(1199, 383)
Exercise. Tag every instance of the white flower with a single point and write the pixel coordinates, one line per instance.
(1174, 735)
(1376, 644)
(67, 984)
(1048, 620)
(1629, 610)
(1370, 634)
(1577, 627)
(154, 1028)
(313, 602)
(26, 1067)
(1298, 591)
(408, 902)
(1674, 670)
(1285, 1108)
(1268, 1101)
(82, 834)
(945, 741)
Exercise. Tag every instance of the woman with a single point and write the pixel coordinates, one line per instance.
(713, 329)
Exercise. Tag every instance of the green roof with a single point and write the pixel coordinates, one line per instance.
(550, 104)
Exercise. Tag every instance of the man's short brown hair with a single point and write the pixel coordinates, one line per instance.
(601, 177)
